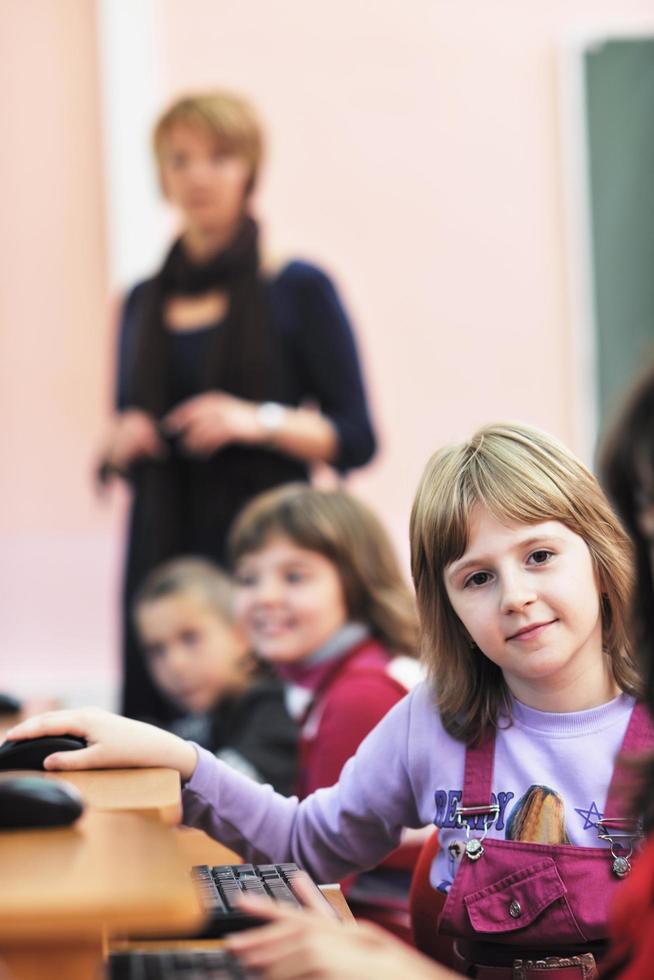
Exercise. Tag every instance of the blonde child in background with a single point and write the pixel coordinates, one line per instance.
(201, 661)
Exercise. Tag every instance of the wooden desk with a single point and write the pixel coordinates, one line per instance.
(149, 792)
(332, 893)
(62, 890)
(113, 873)
(196, 847)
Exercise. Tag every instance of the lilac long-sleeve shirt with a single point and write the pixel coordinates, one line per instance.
(409, 773)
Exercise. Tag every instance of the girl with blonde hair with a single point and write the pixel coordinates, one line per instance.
(523, 579)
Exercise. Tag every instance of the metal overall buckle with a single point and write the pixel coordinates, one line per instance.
(622, 833)
(463, 815)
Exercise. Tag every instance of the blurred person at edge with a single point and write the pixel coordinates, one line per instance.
(626, 471)
(231, 378)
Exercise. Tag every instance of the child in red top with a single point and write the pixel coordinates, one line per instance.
(321, 596)
(349, 694)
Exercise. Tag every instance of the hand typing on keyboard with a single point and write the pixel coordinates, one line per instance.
(310, 944)
(223, 886)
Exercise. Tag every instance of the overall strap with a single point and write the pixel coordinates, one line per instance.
(639, 737)
(478, 776)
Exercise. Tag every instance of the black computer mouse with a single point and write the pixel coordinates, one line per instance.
(30, 752)
(34, 801)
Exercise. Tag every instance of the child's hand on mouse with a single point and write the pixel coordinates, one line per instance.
(113, 742)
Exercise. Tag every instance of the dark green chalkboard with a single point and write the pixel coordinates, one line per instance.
(619, 77)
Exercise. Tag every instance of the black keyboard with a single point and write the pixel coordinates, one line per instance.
(212, 964)
(222, 885)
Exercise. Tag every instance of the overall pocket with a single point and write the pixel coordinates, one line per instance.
(528, 906)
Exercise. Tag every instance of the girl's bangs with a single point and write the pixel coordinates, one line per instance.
(521, 491)
(286, 512)
(515, 490)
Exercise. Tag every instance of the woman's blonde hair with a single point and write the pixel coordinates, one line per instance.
(521, 475)
(345, 531)
(227, 118)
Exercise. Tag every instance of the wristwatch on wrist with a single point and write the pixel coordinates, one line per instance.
(271, 418)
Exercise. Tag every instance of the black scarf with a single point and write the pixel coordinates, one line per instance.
(242, 358)
(183, 503)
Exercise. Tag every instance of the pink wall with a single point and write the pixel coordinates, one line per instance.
(417, 157)
(415, 152)
(55, 606)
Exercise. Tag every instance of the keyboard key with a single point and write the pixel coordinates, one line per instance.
(192, 965)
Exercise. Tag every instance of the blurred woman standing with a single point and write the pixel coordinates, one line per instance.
(231, 380)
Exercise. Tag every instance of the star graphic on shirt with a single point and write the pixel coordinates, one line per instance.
(591, 815)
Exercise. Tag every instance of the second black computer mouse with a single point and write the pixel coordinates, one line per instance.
(34, 801)
(30, 752)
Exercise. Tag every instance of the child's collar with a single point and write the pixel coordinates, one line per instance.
(309, 672)
(348, 636)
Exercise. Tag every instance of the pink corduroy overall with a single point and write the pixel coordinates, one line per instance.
(539, 899)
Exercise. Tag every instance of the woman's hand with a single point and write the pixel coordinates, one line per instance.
(207, 422)
(133, 436)
(310, 945)
(113, 742)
